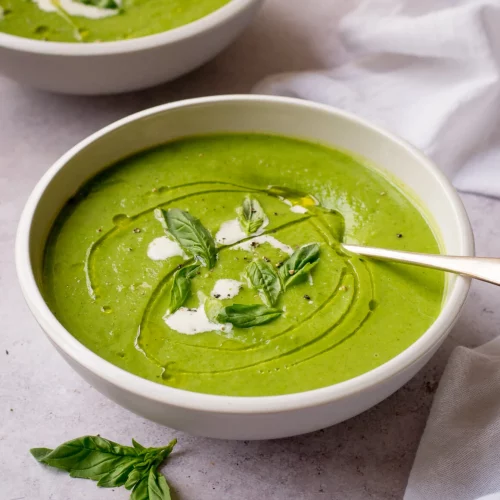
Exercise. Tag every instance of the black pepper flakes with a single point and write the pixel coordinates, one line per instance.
(266, 259)
(137, 230)
(6, 352)
(399, 235)
(307, 297)
(279, 264)
(217, 295)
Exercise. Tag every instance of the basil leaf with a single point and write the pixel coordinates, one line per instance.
(140, 491)
(134, 477)
(251, 215)
(137, 446)
(181, 286)
(191, 235)
(153, 457)
(92, 457)
(264, 278)
(108, 463)
(294, 268)
(40, 453)
(158, 487)
(101, 4)
(115, 477)
(301, 274)
(246, 316)
(152, 487)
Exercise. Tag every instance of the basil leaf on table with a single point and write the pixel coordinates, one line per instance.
(152, 487)
(191, 235)
(246, 316)
(299, 264)
(101, 4)
(264, 278)
(181, 286)
(251, 215)
(108, 463)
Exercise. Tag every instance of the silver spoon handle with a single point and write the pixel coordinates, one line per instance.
(481, 268)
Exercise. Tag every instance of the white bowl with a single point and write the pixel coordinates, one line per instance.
(242, 417)
(122, 66)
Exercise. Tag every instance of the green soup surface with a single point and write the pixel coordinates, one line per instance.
(111, 263)
(91, 21)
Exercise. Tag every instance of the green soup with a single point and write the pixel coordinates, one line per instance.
(277, 306)
(99, 20)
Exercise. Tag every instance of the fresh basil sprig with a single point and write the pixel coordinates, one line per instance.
(299, 264)
(102, 4)
(251, 215)
(112, 465)
(246, 316)
(264, 278)
(181, 286)
(191, 235)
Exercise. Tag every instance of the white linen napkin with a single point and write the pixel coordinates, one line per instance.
(459, 454)
(428, 70)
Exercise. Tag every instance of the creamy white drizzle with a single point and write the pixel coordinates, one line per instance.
(226, 289)
(163, 248)
(193, 321)
(265, 238)
(298, 209)
(230, 232)
(77, 9)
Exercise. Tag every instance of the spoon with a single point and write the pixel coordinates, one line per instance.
(481, 268)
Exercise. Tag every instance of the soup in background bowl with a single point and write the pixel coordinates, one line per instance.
(107, 47)
(187, 261)
(89, 21)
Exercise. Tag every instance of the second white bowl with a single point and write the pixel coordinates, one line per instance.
(122, 66)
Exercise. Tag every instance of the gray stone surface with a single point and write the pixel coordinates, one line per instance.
(43, 402)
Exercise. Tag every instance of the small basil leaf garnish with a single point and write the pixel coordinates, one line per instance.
(251, 215)
(264, 278)
(191, 235)
(301, 274)
(299, 264)
(112, 465)
(101, 4)
(246, 316)
(181, 286)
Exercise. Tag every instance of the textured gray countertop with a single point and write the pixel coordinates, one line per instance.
(43, 402)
